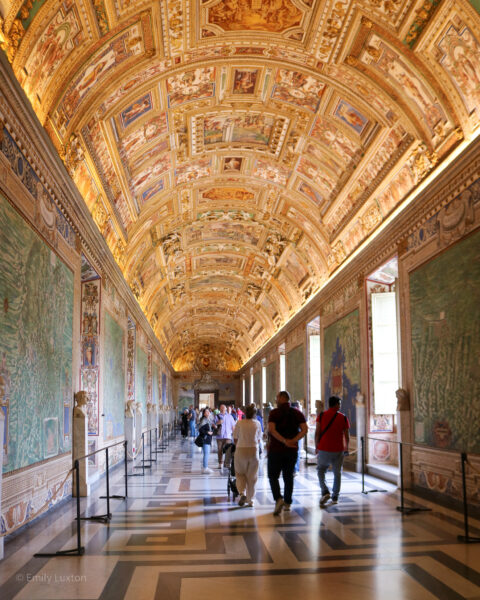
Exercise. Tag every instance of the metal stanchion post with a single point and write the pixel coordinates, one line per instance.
(79, 535)
(466, 538)
(150, 444)
(126, 468)
(400, 463)
(362, 439)
(109, 514)
(407, 510)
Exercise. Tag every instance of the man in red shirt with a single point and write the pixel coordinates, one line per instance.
(331, 441)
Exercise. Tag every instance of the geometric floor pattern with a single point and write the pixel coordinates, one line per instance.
(178, 536)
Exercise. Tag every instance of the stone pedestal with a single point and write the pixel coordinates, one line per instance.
(405, 435)
(152, 417)
(138, 427)
(130, 435)
(2, 429)
(160, 419)
(361, 417)
(80, 444)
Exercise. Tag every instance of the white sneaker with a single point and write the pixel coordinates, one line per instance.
(207, 471)
(278, 506)
(251, 503)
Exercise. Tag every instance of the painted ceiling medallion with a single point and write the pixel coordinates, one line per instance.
(255, 15)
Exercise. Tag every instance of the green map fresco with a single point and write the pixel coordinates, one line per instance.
(341, 363)
(295, 373)
(155, 384)
(36, 326)
(113, 379)
(141, 382)
(272, 384)
(445, 321)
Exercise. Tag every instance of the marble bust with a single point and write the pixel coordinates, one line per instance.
(130, 409)
(81, 400)
(403, 399)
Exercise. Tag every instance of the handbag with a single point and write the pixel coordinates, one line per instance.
(199, 440)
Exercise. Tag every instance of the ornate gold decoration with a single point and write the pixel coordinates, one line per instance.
(119, 252)
(100, 215)
(375, 53)
(424, 14)
(73, 154)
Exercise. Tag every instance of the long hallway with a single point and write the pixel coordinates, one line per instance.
(178, 536)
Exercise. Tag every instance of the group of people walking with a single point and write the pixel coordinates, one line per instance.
(286, 428)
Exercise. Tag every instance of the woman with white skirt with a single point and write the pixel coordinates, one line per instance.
(247, 436)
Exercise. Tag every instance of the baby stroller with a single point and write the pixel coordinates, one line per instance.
(229, 451)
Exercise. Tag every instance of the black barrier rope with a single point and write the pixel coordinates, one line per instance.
(79, 550)
(115, 496)
(105, 518)
(406, 510)
(362, 439)
(142, 466)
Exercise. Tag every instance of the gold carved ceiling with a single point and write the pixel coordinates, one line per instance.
(234, 153)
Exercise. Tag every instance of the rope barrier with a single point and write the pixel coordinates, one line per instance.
(41, 509)
(137, 451)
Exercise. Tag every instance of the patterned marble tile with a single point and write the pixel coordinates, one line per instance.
(178, 536)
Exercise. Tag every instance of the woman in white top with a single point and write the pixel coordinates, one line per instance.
(247, 436)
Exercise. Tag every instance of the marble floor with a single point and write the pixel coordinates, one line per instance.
(177, 536)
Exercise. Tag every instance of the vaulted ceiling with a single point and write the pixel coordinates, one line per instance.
(234, 153)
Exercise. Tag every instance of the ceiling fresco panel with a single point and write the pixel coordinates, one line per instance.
(60, 37)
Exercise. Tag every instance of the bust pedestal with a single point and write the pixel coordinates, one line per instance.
(360, 410)
(152, 417)
(80, 445)
(405, 435)
(138, 429)
(130, 435)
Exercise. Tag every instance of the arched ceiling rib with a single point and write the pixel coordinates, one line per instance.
(234, 153)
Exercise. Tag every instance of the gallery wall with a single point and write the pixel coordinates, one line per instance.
(64, 322)
(436, 241)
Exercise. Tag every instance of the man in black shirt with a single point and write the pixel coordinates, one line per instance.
(286, 425)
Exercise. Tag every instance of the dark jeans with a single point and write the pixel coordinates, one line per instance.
(281, 462)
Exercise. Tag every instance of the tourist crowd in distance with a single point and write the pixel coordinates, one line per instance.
(240, 438)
